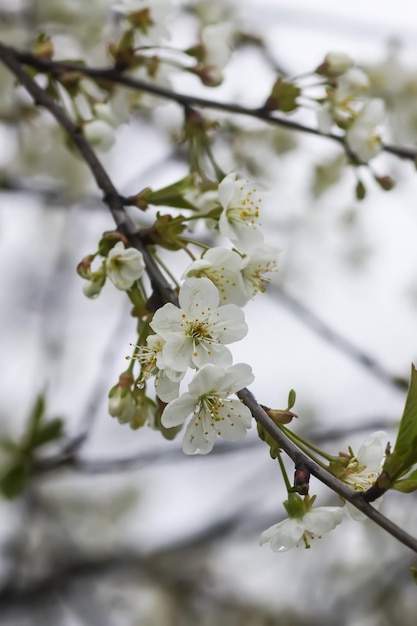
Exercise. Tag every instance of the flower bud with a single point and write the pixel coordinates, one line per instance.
(122, 403)
(334, 64)
(100, 134)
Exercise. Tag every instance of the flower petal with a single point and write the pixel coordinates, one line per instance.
(283, 536)
(323, 519)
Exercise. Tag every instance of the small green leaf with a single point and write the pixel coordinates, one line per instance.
(35, 420)
(408, 484)
(291, 399)
(413, 571)
(51, 431)
(14, 479)
(404, 455)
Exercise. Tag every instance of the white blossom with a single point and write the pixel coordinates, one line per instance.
(341, 104)
(167, 380)
(223, 267)
(363, 136)
(212, 412)
(238, 220)
(255, 269)
(352, 84)
(335, 64)
(291, 531)
(124, 266)
(217, 42)
(196, 331)
(363, 469)
(100, 134)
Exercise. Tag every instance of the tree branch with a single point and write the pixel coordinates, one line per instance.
(110, 195)
(55, 68)
(13, 61)
(357, 498)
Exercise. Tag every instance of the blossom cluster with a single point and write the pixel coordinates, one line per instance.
(195, 334)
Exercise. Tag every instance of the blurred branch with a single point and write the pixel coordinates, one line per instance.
(338, 341)
(113, 75)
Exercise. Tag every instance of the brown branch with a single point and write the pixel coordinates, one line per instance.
(13, 61)
(110, 195)
(55, 68)
(357, 498)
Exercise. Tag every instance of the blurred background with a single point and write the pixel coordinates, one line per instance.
(118, 526)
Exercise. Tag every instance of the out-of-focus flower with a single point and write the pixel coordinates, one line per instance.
(363, 137)
(335, 64)
(124, 266)
(99, 134)
(212, 412)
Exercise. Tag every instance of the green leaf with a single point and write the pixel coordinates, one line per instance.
(413, 571)
(291, 398)
(35, 420)
(408, 484)
(404, 455)
(14, 479)
(51, 431)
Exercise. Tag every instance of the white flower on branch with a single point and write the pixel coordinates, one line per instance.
(255, 269)
(99, 134)
(217, 46)
(124, 266)
(167, 380)
(361, 471)
(341, 103)
(223, 267)
(238, 220)
(292, 531)
(363, 137)
(196, 331)
(212, 412)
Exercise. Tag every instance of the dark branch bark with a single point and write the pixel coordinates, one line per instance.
(115, 76)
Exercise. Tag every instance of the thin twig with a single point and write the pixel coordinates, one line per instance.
(356, 498)
(115, 76)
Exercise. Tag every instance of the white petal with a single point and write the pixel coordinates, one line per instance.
(196, 295)
(236, 378)
(167, 319)
(177, 411)
(217, 355)
(283, 536)
(228, 323)
(371, 452)
(323, 519)
(198, 437)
